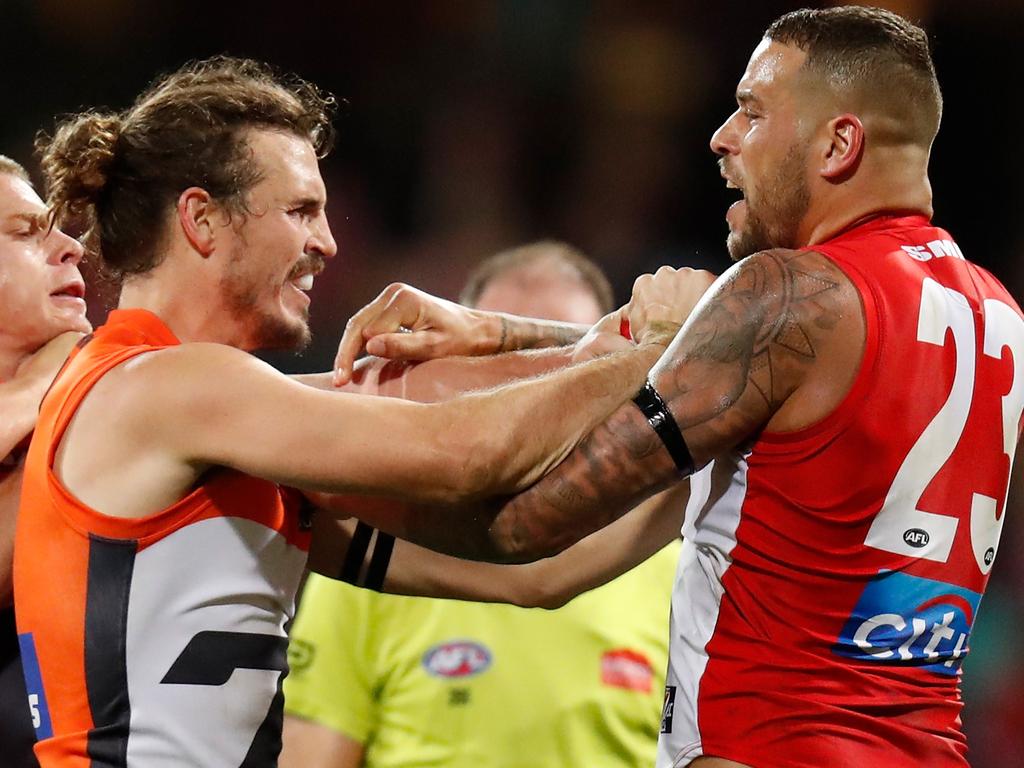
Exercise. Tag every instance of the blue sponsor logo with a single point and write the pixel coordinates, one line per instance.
(908, 620)
(34, 685)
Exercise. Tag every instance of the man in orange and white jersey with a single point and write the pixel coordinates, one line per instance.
(157, 554)
(42, 314)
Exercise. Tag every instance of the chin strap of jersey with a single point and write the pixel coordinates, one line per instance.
(656, 411)
(359, 570)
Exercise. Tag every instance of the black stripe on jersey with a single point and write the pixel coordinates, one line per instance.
(111, 563)
(356, 552)
(266, 744)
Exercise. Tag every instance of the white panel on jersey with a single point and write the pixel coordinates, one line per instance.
(716, 498)
(221, 574)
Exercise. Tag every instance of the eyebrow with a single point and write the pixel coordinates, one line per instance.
(308, 202)
(38, 219)
(746, 96)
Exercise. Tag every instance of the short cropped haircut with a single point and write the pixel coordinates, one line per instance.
(878, 57)
(13, 168)
(117, 175)
(561, 256)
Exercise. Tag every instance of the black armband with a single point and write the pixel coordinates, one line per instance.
(379, 546)
(656, 411)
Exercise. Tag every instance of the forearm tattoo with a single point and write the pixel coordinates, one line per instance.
(525, 333)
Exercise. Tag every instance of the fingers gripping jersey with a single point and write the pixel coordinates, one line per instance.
(830, 577)
(157, 641)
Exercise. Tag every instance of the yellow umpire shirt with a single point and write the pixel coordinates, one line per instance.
(424, 682)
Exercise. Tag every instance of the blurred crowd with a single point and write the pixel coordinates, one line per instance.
(467, 127)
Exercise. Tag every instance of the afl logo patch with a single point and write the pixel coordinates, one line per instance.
(456, 659)
(916, 537)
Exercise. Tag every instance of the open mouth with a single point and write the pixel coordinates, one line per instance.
(71, 290)
(302, 275)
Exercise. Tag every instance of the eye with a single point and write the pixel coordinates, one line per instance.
(29, 228)
(305, 211)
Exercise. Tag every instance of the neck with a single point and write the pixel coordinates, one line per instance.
(884, 184)
(12, 355)
(188, 304)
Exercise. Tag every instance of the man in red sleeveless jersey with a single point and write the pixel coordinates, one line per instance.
(851, 391)
(42, 315)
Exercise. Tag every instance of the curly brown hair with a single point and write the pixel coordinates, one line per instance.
(116, 175)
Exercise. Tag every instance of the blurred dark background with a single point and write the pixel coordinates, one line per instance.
(473, 125)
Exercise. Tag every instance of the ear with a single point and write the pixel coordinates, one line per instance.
(196, 218)
(846, 147)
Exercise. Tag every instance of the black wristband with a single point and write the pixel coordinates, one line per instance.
(379, 562)
(664, 425)
(356, 553)
(379, 545)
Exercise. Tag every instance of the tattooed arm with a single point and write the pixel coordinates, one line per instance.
(775, 344)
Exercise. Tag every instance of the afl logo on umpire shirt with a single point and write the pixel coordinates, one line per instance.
(457, 658)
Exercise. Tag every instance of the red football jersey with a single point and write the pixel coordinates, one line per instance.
(831, 576)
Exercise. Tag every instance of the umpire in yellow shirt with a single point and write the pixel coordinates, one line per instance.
(384, 681)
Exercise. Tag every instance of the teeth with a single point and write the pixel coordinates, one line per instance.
(303, 283)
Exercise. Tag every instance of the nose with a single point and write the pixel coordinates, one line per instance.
(321, 240)
(64, 249)
(724, 140)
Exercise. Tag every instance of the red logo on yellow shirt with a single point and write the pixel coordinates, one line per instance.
(623, 668)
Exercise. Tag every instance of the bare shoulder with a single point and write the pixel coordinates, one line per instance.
(780, 283)
(773, 344)
(176, 382)
(811, 332)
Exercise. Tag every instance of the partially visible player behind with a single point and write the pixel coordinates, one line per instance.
(382, 681)
(42, 314)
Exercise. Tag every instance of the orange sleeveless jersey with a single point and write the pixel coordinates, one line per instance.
(157, 641)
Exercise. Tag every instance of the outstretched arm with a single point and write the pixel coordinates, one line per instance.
(223, 407)
(444, 378)
(776, 342)
(547, 583)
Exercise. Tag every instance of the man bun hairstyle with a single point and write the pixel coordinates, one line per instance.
(117, 175)
(877, 56)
